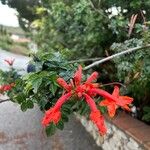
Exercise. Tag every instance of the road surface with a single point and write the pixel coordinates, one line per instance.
(20, 61)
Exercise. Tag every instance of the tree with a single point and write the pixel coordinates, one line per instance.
(25, 9)
(87, 28)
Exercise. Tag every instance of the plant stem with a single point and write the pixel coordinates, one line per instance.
(84, 60)
(114, 83)
(1, 101)
(115, 55)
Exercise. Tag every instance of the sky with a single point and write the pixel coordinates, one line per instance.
(8, 16)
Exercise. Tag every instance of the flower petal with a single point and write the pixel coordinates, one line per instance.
(9, 62)
(51, 116)
(124, 100)
(92, 77)
(111, 110)
(116, 91)
(64, 84)
(98, 120)
(105, 102)
(90, 102)
(104, 94)
(78, 76)
(62, 100)
(111, 106)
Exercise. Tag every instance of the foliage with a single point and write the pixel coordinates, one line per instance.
(134, 71)
(41, 86)
(6, 43)
(146, 115)
(14, 30)
(69, 25)
(25, 10)
(8, 78)
(85, 28)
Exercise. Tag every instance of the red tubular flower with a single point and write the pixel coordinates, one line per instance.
(6, 87)
(88, 90)
(62, 100)
(9, 62)
(111, 106)
(1, 88)
(92, 77)
(95, 115)
(98, 119)
(52, 115)
(103, 93)
(79, 90)
(122, 101)
(63, 84)
(90, 102)
(78, 76)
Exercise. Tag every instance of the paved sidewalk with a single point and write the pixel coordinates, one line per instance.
(23, 131)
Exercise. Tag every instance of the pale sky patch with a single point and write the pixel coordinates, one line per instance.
(8, 16)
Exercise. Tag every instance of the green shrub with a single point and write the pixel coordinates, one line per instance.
(134, 71)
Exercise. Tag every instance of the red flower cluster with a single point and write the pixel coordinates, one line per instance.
(10, 62)
(6, 87)
(121, 101)
(87, 90)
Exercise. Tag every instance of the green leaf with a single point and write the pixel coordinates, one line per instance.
(42, 103)
(146, 117)
(20, 98)
(28, 87)
(53, 88)
(103, 109)
(60, 125)
(29, 104)
(51, 129)
(64, 117)
(66, 110)
(24, 106)
(36, 84)
(68, 105)
(84, 109)
(146, 109)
